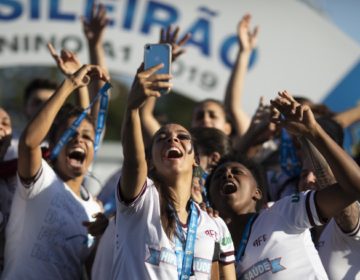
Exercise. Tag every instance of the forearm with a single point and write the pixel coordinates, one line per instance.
(348, 117)
(42, 122)
(29, 160)
(234, 92)
(323, 174)
(134, 165)
(97, 57)
(149, 123)
(236, 82)
(82, 98)
(243, 143)
(345, 170)
(348, 218)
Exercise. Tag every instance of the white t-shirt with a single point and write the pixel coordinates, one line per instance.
(12, 151)
(340, 252)
(101, 268)
(45, 235)
(7, 190)
(143, 250)
(280, 245)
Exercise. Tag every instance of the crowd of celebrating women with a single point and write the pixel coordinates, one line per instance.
(231, 197)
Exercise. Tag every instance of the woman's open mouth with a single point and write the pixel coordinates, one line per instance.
(76, 157)
(228, 188)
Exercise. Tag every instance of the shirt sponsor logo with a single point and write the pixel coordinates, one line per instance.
(260, 240)
(261, 268)
(211, 233)
(226, 241)
(168, 256)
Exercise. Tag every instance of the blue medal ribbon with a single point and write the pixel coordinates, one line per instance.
(71, 131)
(244, 238)
(104, 102)
(185, 256)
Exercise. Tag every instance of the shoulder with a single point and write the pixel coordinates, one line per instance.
(146, 199)
(299, 210)
(215, 224)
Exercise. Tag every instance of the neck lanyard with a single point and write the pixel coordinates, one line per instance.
(244, 238)
(184, 256)
(289, 162)
(101, 118)
(71, 131)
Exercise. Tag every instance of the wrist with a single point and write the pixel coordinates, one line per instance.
(95, 44)
(315, 132)
(69, 84)
(245, 52)
(130, 112)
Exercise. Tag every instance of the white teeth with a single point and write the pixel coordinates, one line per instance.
(78, 149)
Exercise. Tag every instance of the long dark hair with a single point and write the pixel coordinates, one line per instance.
(168, 212)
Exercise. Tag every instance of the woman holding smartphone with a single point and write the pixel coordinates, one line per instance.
(160, 232)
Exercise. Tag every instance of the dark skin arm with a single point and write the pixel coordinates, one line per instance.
(300, 121)
(348, 218)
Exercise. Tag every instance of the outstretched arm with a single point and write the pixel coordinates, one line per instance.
(235, 87)
(146, 84)
(348, 218)
(149, 123)
(94, 30)
(300, 121)
(35, 132)
(348, 117)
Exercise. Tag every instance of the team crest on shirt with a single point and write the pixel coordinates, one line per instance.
(168, 256)
(261, 268)
(260, 240)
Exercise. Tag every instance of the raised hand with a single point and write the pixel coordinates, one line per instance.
(86, 74)
(147, 84)
(247, 38)
(170, 36)
(296, 118)
(260, 127)
(94, 28)
(67, 61)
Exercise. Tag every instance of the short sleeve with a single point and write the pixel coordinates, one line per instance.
(136, 204)
(226, 245)
(43, 179)
(298, 210)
